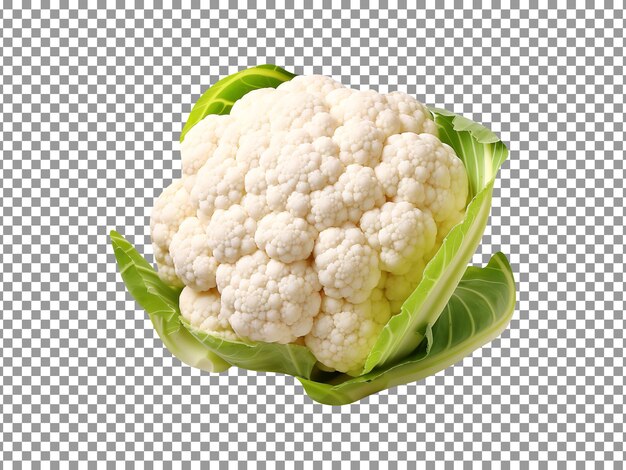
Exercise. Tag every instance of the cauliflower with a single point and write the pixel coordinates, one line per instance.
(307, 216)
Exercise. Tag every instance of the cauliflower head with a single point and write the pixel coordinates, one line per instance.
(307, 215)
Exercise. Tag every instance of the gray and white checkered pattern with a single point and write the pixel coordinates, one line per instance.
(93, 101)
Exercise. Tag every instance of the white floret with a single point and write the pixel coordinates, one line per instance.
(193, 261)
(322, 125)
(201, 310)
(255, 201)
(319, 85)
(169, 211)
(284, 237)
(402, 234)
(283, 142)
(327, 209)
(414, 116)
(306, 168)
(283, 145)
(357, 191)
(346, 265)
(368, 105)
(230, 234)
(223, 275)
(343, 333)
(255, 205)
(251, 112)
(201, 141)
(251, 147)
(229, 143)
(219, 185)
(298, 204)
(360, 191)
(359, 141)
(266, 300)
(335, 98)
(420, 169)
(292, 110)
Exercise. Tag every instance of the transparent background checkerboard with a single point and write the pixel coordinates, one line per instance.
(92, 103)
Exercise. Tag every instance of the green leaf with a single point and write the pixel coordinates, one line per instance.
(161, 303)
(460, 123)
(478, 311)
(291, 359)
(481, 150)
(220, 98)
(482, 158)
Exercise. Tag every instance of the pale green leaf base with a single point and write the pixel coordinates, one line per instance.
(291, 359)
